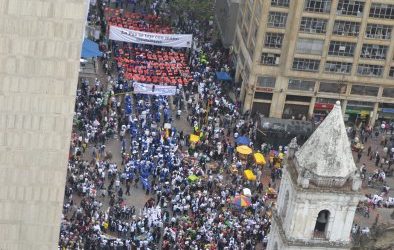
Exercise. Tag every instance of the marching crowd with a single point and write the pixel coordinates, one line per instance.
(190, 186)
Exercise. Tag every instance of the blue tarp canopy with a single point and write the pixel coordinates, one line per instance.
(90, 49)
(243, 140)
(223, 76)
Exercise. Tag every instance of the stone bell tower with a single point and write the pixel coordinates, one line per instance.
(319, 191)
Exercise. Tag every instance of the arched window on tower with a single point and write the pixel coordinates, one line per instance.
(321, 224)
(285, 204)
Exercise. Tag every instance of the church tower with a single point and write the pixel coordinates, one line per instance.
(319, 191)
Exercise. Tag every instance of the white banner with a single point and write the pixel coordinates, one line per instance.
(133, 36)
(151, 89)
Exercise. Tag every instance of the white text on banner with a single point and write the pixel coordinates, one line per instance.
(167, 40)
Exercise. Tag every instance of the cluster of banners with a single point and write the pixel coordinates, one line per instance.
(152, 89)
(133, 36)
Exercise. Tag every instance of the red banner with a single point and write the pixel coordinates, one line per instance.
(324, 106)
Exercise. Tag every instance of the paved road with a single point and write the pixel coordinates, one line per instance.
(384, 213)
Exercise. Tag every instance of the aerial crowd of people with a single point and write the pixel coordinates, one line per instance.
(192, 157)
(197, 196)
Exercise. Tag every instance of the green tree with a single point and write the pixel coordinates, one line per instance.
(195, 9)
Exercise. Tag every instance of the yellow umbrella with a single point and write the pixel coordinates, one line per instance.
(259, 158)
(194, 138)
(249, 175)
(245, 150)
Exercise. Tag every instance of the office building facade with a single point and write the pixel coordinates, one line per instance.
(294, 59)
(39, 56)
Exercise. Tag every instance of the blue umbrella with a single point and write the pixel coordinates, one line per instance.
(243, 140)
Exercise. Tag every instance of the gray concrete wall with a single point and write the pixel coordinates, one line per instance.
(40, 44)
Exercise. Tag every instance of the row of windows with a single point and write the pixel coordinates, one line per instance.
(270, 59)
(277, 19)
(326, 87)
(319, 26)
(379, 10)
(345, 28)
(336, 48)
(350, 8)
(273, 59)
(372, 51)
(330, 66)
(273, 40)
(378, 31)
(322, 6)
(280, 3)
(344, 7)
(371, 70)
(313, 25)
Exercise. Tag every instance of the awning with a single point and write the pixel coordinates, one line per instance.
(223, 76)
(90, 49)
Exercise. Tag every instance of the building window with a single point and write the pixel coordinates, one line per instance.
(388, 92)
(302, 64)
(280, 3)
(338, 67)
(309, 46)
(378, 31)
(373, 51)
(341, 48)
(273, 40)
(270, 59)
(277, 20)
(350, 8)
(379, 10)
(332, 87)
(303, 85)
(266, 81)
(364, 90)
(318, 6)
(345, 28)
(321, 224)
(313, 25)
(391, 73)
(370, 70)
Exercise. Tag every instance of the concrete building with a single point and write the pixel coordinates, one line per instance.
(296, 58)
(319, 191)
(39, 57)
(226, 12)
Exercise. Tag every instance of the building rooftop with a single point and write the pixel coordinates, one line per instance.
(327, 152)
